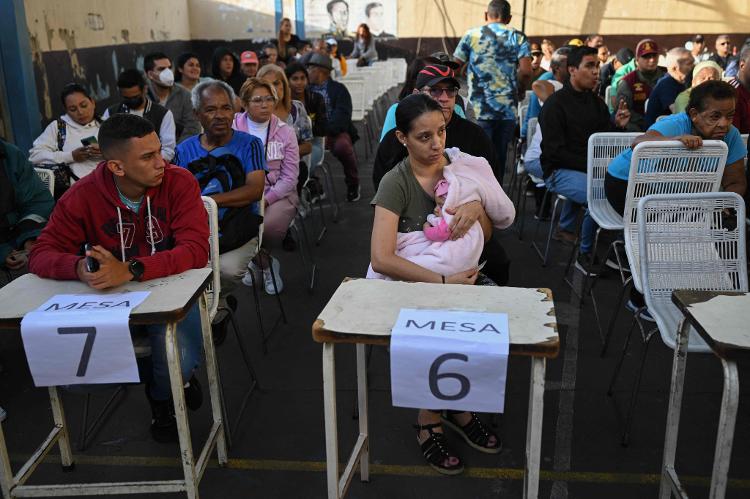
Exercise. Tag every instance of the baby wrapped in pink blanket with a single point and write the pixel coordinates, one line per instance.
(469, 179)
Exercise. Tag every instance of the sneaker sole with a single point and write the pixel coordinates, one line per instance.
(611, 264)
(580, 267)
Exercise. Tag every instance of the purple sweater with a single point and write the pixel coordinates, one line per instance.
(282, 157)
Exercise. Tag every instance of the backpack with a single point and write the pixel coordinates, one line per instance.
(216, 175)
(61, 171)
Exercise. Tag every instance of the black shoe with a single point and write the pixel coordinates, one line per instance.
(193, 394)
(163, 422)
(221, 321)
(586, 265)
(352, 193)
(289, 244)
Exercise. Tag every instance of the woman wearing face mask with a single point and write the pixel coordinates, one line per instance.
(364, 48)
(70, 140)
(282, 158)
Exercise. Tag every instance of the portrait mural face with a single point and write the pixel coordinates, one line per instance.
(340, 18)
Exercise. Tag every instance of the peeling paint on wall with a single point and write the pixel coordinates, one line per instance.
(69, 37)
(125, 34)
(36, 56)
(50, 32)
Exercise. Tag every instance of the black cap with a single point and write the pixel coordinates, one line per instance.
(442, 58)
(433, 74)
(624, 55)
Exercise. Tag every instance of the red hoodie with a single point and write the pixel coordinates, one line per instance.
(88, 213)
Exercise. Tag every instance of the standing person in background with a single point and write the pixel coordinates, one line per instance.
(364, 47)
(723, 53)
(594, 41)
(698, 49)
(61, 143)
(188, 71)
(287, 42)
(316, 110)
(536, 62)
(225, 67)
(161, 89)
(498, 63)
(548, 48)
(133, 100)
(271, 53)
(340, 130)
(603, 54)
(249, 61)
(679, 65)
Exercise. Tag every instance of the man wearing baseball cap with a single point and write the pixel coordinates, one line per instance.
(636, 86)
(249, 63)
(340, 130)
(439, 82)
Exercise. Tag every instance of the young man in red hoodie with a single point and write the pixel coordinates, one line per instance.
(144, 219)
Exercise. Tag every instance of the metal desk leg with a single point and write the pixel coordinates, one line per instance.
(534, 429)
(329, 412)
(727, 419)
(364, 463)
(63, 441)
(212, 369)
(183, 427)
(669, 479)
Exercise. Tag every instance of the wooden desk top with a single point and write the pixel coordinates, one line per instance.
(721, 318)
(365, 310)
(170, 299)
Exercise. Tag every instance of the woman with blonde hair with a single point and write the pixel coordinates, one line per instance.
(259, 98)
(288, 43)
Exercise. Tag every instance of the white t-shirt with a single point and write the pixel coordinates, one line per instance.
(260, 130)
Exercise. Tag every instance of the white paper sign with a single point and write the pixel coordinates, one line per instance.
(443, 359)
(81, 339)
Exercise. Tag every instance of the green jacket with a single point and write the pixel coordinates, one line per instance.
(25, 202)
(625, 69)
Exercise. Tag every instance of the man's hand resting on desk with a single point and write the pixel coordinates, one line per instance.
(112, 272)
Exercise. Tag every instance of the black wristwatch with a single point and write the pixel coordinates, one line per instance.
(136, 268)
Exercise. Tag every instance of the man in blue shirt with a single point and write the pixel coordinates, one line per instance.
(558, 71)
(680, 64)
(498, 62)
(213, 101)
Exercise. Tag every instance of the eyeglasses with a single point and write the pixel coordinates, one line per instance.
(437, 92)
(261, 99)
(724, 43)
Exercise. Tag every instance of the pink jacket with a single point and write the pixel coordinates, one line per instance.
(282, 157)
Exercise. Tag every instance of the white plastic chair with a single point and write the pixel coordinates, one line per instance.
(48, 179)
(608, 95)
(686, 242)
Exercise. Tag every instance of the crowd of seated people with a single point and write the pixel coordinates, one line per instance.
(264, 118)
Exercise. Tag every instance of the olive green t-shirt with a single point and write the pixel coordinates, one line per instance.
(401, 193)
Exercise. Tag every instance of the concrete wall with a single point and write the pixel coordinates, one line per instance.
(234, 19)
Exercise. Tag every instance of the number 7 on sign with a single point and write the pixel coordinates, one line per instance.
(90, 333)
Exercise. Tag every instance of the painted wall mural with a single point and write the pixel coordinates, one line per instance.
(340, 18)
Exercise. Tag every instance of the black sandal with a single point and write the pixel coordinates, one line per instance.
(435, 450)
(475, 433)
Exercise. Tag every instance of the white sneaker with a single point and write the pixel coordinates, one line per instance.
(247, 279)
(267, 279)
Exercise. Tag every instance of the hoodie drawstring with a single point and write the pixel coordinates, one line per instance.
(150, 226)
(149, 235)
(122, 237)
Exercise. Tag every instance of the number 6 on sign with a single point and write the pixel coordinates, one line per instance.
(442, 359)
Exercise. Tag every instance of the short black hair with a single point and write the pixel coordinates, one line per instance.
(329, 5)
(118, 129)
(131, 78)
(370, 6)
(181, 61)
(148, 61)
(295, 67)
(711, 89)
(73, 88)
(578, 53)
(499, 9)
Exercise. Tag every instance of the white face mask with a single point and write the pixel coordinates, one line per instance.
(166, 77)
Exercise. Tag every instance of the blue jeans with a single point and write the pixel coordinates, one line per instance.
(500, 133)
(572, 185)
(316, 155)
(190, 348)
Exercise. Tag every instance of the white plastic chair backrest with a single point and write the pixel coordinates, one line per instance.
(744, 138)
(668, 168)
(608, 94)
(603, 147)
(531, 130)
(522, 110)
(357, 91)
(323, 148)
(686, 244)
(48, 179)
(526, 98)
(213, 290)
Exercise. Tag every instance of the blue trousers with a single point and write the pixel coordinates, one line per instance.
(572, 185)
(500, 133)
(154, 370)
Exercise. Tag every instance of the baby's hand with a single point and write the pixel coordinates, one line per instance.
(426, 226)
(437, 211)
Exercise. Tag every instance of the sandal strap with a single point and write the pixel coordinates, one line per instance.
(435, 449)
(427, 427)
(476, 431)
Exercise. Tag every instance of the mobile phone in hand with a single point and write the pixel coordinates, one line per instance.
(92, 264)
(88, 141)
